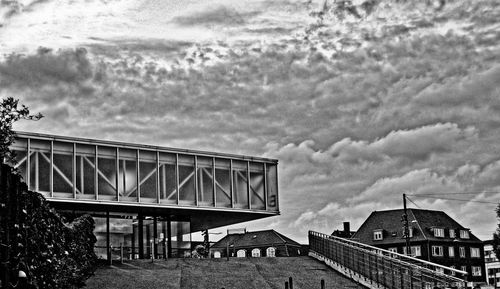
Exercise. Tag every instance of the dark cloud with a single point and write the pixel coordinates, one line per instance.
(220, 15)
(45, 68)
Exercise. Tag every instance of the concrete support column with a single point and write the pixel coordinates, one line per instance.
(169, 237)
(133, 241)
(140, 235)
(148, 241)
(108, 239)
(165, 237)
(155, 237)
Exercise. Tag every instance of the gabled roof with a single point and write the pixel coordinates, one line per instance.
(255, 239)
(422, 222)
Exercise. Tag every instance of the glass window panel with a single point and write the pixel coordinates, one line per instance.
(120, 231)
(168, 179)
(240, 189)
(107, 173)
(127, 176)
(20, 148)
(257, 186)
(181, 239)
(20, 162)
(85, 171)
(147, 170)
(186, 180)
(223, 183)
(272, 187)
(20, 144)
(40, 165)
(63, 169)
(205, 182)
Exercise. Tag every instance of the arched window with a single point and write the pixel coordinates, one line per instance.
(216, 254)
(241, 254)
(271, 252)
(256, 252)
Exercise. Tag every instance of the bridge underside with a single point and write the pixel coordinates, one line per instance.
(199, 219)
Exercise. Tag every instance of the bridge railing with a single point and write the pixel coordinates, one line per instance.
(378, 268)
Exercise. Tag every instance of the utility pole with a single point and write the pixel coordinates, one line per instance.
(406, 226)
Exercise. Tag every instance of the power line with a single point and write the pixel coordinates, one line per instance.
(451, 199)
(413, 202)
(462, 193)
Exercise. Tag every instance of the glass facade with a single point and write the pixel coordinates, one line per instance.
(67, 168)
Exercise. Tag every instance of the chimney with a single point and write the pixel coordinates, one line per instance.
(347, 230)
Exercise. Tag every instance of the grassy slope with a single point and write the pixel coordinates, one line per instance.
(261, 273)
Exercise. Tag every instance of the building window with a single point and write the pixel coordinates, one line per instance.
(410, 232)
(439, 232)
(452, 233)
(452, 273)
(451, 251)
(378, 235)
(216, 254)
(476, 271)
(475, 253)
(415, 251)
(256, 252)
(271, 252)
(437, 251)
(393, 250)
(464, 234)
(463, 268)
(241, 254)
(461, 250)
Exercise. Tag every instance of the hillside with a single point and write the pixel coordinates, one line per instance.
(261, 273)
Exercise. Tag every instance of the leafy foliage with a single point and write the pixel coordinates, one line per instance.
(53, 254)
(34, 237)
(496, 236)
(10, 112)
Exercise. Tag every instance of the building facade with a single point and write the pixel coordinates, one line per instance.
(492, 265)
(433, 236)
(146, 200)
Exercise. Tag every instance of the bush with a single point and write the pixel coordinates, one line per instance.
(53, 254)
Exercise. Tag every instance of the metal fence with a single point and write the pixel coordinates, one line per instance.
(378, 268)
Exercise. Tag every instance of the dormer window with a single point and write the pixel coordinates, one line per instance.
(438, 232)
(378, 235)
(410, 232)
(452, 233)
(464, 234)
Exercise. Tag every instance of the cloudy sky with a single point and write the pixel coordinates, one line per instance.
(359, 103)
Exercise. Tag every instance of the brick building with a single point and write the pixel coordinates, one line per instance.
(267, 243)
(433, 235)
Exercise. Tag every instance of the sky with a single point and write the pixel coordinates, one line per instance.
(359, 103)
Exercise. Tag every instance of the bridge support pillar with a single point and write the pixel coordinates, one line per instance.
(140, 235)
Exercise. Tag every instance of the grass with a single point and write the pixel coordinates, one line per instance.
(261, 273)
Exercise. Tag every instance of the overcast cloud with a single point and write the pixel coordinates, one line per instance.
(359, 106)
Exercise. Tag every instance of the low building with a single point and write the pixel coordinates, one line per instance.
(433, 236)
(492, 265)
(267, 243)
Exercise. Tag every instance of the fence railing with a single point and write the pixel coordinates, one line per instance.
(378, 268)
